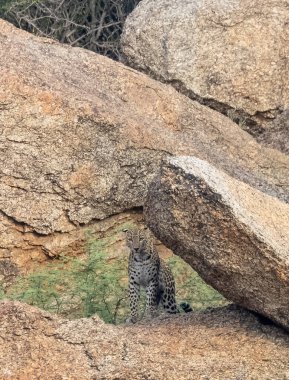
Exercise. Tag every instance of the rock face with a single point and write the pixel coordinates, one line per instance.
(277, 133)
(233, 235)
(225, 344)
(26, 251)
(82, 136)
(228, 54)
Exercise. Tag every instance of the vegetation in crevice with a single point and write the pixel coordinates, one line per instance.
(94, 24)
(97, 284)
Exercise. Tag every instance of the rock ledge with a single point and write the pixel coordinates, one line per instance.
(225, 344)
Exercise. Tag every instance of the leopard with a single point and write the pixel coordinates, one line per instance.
(146, 269)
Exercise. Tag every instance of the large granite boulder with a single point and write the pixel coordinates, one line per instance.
(235, 236)
(231, 55)
(82, 136)
(226, 343)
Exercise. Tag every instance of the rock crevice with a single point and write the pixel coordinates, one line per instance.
(230, 56)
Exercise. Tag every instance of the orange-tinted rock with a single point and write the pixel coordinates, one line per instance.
(226, 344)
(82, 136)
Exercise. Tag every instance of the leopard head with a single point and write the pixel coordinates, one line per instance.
(139, 241)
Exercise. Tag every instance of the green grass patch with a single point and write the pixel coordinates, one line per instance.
(97, 284)
(77, 288)
(192, 289)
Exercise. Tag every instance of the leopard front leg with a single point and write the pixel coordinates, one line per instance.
(151, 299)
(134, 292)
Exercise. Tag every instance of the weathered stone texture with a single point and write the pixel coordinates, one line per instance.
(276, 134)
(82, 136)
(233, 235)
(27, 251)
(222, 344)
(230, 54)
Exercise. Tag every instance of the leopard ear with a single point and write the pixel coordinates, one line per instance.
(128, 233)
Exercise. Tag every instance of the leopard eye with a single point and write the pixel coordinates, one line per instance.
(128, 234)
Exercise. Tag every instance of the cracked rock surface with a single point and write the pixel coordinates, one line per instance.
(228, 54)
(220, 344)
(276, 134)
(82, 136)
(233, 235)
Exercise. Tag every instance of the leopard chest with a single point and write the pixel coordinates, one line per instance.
(143, 272)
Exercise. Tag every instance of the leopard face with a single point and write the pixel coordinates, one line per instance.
(139, 243)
